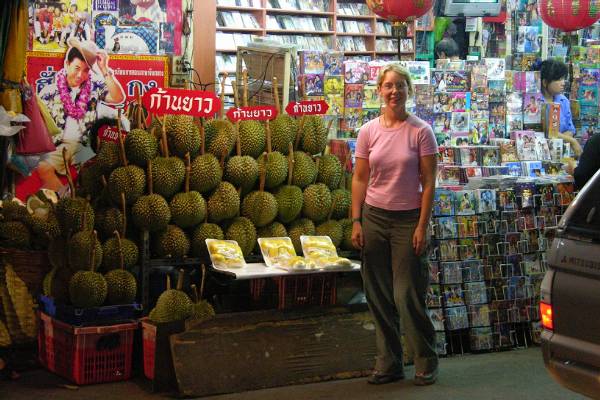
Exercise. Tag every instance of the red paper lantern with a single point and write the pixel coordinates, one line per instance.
(400, 10)
(569, 15)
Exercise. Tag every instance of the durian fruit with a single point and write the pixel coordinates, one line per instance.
(305, 170)
(241, 171)
(47, 196)
(243, 232)
(283, 127)
(317, 202)
(172, 304)
(183, 135)
(201, 233)
(81, 245)
(140, 147)
(121, 284)
(151, 212)
(297, 228)
(117, 249)
(42, 219)
(314, 137)
(88, 288)
(171, 243)
(276, 164)
(128, 179)
(289, 197)
(90, 180)
(342, 199)
(108, 220)
(14, 210)
(202, 310)
(188, 209)
(220, 137)
(252, 136)
(260, 206)
(206, 172)
(346, 224)
(71, 212)
(330, 171)
(15, 234)
(223, 203)
(108, 157)
(275, 229)
(331, 228)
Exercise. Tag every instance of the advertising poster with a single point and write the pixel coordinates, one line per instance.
(77, 90)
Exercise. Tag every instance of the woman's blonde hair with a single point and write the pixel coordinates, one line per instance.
(400, 71)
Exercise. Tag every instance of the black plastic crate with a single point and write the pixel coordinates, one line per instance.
(104, 315)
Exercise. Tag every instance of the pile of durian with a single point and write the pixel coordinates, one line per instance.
(186, 180)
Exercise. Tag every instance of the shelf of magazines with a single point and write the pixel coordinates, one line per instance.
(488, 260)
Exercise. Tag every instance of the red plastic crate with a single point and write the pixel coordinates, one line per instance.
(149, 345)
(86, 355)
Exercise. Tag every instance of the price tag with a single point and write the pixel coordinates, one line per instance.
(196, 103)
(307, 107)
(257, 113)
(110, 133)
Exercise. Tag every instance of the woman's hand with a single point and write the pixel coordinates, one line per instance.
(357, 235)
(419, 240)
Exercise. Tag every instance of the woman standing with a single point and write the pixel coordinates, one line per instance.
(392, 198)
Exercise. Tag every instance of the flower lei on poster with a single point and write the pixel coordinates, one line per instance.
(75, 109)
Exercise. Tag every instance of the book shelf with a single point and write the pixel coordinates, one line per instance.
(343, 25)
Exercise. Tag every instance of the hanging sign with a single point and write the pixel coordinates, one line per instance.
(307, 107)
(257, 113)
(109, 133)
(196, 103)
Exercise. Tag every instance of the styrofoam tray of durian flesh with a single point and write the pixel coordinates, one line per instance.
(320, 253)
(225, 253)
(279, 252)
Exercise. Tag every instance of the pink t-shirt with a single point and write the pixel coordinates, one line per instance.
(393, 155)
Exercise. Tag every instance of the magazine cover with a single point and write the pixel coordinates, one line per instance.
(448, 249)
(528, 39)
(496, 68)
(451, 272)
(457, 81)
(333, 84)
(445, 228)
(440, 343)
(486, 200)
(465, 202)
(525, 192)
(353, 95)
(352, 118)
(472, 270)
(441, 122)
(311, 62)
(533, 81)
(437, 318)
(460, 101)
(356, 71)
(497, 91)
(479, 78)
(478, 131)
(514, 103)
(434, 296)
(424, 96)
(564, 193)
(441, 103)
(336, 104)
(434, 272)
(447, 155)
(532, 109)
(514, 123)
(468, 248)
(457, 318)
(448, 175)
(489, 156)
(489, 244)
(468, 155)
(371, 97)
(546, 194)
(481, 338)
(443, 202)
(453, 295)
(52, 23)
(333, 62)
(312, 84)
(525, 142)
(467, 226)
(519, 288)
(532, 264)
(420, 71)
(479, 315)
(475, 293)
(460, 122)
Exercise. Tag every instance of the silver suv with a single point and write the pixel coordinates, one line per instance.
(570, 296)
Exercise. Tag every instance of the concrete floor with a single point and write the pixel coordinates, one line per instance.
(509, 375)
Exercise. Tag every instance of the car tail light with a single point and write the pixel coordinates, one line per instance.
(547, 320)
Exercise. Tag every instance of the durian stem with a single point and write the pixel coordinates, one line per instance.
(68, 172)
(121, 257)
(222, 162)
(187, 172)
(180, 279)
(329, 126)
(263, 173)
(202, 137)
(164, 137)
(317, 161)
(333, 204)
(290, 164)
(121, 141)
(140, 111)
(299, 133)
(103, 180)
(268, 132)
(245, 83)
(201, 294)
(195, 293)
(236, 96)
(238, 141)
(150, 183)
(168, 282)
(276, 95)
(93, 251)
(124, 211)
(222, 111)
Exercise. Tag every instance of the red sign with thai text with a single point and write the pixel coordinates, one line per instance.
(197, 103)
(257, 113)
(110, 133)
(307, 107)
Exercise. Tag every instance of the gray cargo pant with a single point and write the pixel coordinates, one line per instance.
(395, 282)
